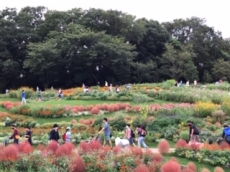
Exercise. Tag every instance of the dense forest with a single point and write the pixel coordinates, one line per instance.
(41, 47)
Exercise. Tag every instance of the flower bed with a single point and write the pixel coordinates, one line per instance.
(88, 157)
(212, 154)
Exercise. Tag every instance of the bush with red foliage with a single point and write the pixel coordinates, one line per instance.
(141, 168)
(116, 107)
(52, 146)
(205, 170)
(74, 109)
(81, 108)
(70, 146)
(99, 106)
(224, 145)
(84, 147)
(9, 153)
(73, 121)
(163, 146)
(95, 145)
(105, 106)
(194, 146)
(77, 165)
(191, 166)
(218, 169)
(157, 157)
(181, 144)
(127, 109)
(137, 151)
(106, 149)
(116, 149)
(89, 107)
(119, 105)
(62, 150)
(111, 108)
(171, 166)
(25, 147)
(95, 111)
(174, 159)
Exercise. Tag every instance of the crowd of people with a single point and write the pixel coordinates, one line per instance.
(131, 137)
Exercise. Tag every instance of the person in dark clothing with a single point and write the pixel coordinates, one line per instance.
(54, 134)
(28, 135)
(193, 132)
(15, 135)
(226, 133)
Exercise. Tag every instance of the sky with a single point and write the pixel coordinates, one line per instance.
(214, 11)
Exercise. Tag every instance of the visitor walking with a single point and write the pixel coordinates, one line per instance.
(60, 93)
(28, 135)
(23, 97)
(15, 134)
(39, 95)
(107, 132)
(226, 133)
(193, 132)
(140, 130)
(54, 134)
(129, 135)
(117, 89)
(67, 135)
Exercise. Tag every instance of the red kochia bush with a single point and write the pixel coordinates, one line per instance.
(105, 106)
(95, 111)
(95, 145)
(77, 165)
(191, 166)
(116, 107)
(171, 166)
(25, 147)
(116, 149)
(205, 170)
(224, 145)
(218, 169)
(9, 153)
(181, 143)
(84, 147)
(110, 108)
(157, 157)
(137, 151)
(52, 146)
(163, 146)
(62, 150)
(141, 168)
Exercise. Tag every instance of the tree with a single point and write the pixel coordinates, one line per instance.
(77, 51)
(177, 64)
(221, 70)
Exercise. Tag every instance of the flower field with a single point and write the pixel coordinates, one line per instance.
(207, 107)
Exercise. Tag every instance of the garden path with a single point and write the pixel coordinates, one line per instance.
(155, 150)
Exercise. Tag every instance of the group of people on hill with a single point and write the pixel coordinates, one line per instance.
(130, 135)
(16, 135)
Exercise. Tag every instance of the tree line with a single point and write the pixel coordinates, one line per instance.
(41, 47)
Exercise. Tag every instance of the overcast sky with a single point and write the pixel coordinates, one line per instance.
(216, 12)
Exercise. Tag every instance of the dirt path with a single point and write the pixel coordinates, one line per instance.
(155, 150)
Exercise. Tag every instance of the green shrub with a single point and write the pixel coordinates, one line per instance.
(184, 135)
(118, 123)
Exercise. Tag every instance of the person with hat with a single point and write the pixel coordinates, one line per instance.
(68, 135)
(15, 135)
(226, 133)
(54, 134)
(28, 135)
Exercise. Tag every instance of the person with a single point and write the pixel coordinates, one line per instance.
(39, 95)
(68, 134)
(226, 133)
(111, 88)
(117, 89)
(140, 130)
(54, 134)
(128, 134)
(60, 95)
(107, 132)
(193, 132)
(106, 84)
(15, 134)
(23, 97)
(28, 135)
